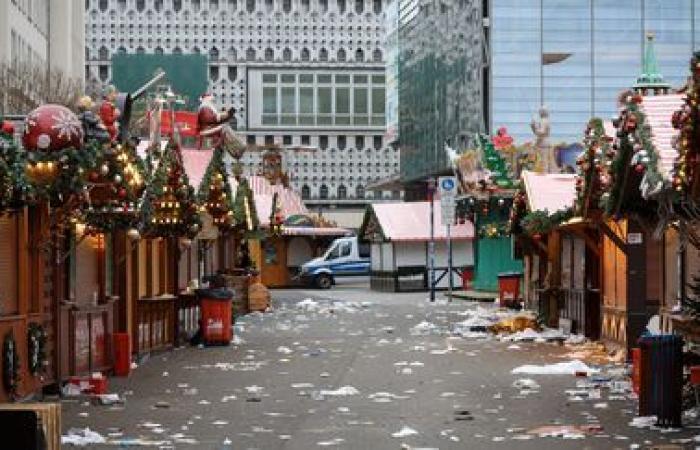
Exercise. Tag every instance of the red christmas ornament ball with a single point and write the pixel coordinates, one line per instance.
(8, 127)
(639, 168)
(94, 176)
(52, 128)
(122, 193)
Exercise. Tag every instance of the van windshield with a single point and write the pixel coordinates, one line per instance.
(333, 252)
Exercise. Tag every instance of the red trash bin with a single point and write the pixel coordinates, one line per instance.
(467, 278)
(508, 288)
(636, 369)
(215, 308)
(122, 354)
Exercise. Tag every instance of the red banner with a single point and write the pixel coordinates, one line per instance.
(185, 120)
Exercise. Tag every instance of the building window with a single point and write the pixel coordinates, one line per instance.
(269, 54)
(377, 55)
(341, 55)
(323, 142)
(342, 192)
(214, 54)
(269, 140)
(324, 5)
(359, 55)
(214, 73)
(323, 55)
(305, 139)
(103, 53)
(378, 142)
(250, 5)
(305, 192)
(377, 6)
(359, 6)
(177, 51)
(286, 55)
(232, 53)
(360, 191)
(323, 192)
(305, 6)
(250, 139)
(342, 142)
(359, 142)
(286, 140)
(286, 5)
(341, 6)
(232, 73)
(250, 54)
(158, 50)
(103, 5)
(305, 55)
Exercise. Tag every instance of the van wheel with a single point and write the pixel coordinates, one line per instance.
(324, 281)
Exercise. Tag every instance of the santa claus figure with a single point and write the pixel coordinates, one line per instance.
(209, 117)
(109, 113)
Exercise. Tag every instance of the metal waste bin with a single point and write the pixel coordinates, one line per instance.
(215, 310)
(661, 378)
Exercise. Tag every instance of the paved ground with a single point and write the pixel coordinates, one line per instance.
(268, 391)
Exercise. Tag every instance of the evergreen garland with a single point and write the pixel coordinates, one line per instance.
(10, 362)
(15, 189)
(690, 305)
(116, 186)
(169, 207)
(686, 172)
(215, 194)
(36, 347)
(542, 222)
(501, 175)
(634, 165)
(247, 219)
(591, 167)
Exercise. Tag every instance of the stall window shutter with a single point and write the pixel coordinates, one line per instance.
(8, 265)
(86, 271)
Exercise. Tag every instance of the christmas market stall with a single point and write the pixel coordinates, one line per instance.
(170, 222)
(399, 234)
(488, 182)
(637, 205)
(290, 235)
(27, 304)
(555, 276)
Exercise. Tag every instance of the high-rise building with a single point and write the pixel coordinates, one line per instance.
(299, 73)
(44, 34)
(574, 57)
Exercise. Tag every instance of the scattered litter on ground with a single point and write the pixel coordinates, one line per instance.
(404, 432)
(566, 431)
(526, 384)
(332, 442)
(530, 335)
(343, 391)
(81, 437)
(562, 368)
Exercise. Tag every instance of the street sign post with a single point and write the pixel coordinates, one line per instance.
(448, 194)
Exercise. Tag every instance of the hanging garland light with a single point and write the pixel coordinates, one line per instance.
(215, 194)
(686, 177)
(57, 161)
(634, 164)
(592, 179)
(116, 185)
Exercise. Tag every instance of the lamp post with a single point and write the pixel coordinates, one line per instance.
(431, 244)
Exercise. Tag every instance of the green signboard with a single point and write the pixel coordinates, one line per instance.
(186, 74)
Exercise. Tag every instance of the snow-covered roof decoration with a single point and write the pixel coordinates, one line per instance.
(549, 192)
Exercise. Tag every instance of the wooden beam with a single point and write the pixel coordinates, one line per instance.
(619, 243)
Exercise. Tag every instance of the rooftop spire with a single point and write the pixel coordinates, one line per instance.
(650, 79)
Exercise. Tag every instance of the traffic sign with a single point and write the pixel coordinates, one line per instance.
(447, 187)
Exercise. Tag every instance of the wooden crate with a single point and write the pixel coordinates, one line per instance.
(50, 415)
(258, 297)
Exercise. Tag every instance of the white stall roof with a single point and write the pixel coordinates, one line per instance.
(410, 221)
(549, 191)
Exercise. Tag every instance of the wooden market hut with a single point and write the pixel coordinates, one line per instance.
(285, 244)
(635, 253)
(399, 234)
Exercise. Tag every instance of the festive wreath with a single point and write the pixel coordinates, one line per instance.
(10, 366)
(36, 347)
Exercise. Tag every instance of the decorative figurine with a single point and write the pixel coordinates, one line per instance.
(541, 129)
(109, 113)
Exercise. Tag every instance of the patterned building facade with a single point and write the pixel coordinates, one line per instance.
(299, 73)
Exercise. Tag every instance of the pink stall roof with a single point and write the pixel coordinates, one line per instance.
(290, 202)
(410, 221)
(658, 110)
(549, 191)
(316, 231)
(196, 162)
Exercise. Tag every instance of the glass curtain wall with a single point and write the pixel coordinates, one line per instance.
(592, 51)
